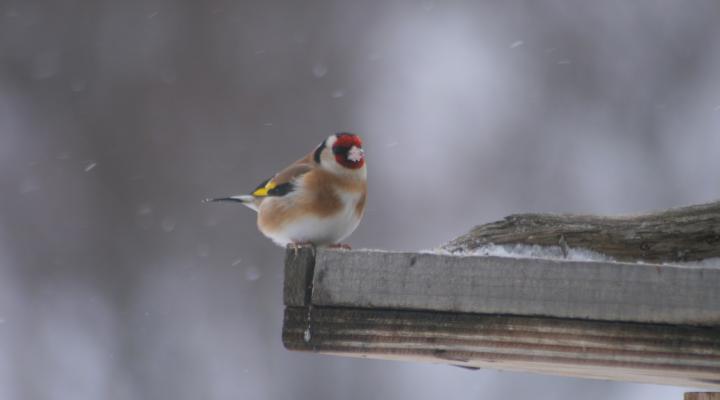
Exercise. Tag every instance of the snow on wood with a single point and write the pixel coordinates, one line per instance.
(669, 236)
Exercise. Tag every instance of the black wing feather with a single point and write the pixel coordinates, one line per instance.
(281, 190)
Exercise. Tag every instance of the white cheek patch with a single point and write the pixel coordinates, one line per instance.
(355, 154)
(330, 141)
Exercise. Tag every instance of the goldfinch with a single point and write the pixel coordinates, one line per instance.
(317, 200)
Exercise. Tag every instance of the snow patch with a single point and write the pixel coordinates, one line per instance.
(708, 262)
(531, 251)
(556, 253)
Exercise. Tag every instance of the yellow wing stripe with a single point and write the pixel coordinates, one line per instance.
(263, 191)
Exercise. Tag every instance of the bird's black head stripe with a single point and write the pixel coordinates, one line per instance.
(319, 150)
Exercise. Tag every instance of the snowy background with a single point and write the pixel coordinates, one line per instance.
(118, 117)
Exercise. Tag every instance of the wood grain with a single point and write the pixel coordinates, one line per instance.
(675, 235)
(606, 291)
(299, 269)
(660, 354)
(702, 396)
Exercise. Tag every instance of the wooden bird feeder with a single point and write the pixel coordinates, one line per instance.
(641, 315)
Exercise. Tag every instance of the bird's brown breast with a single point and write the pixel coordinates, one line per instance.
(317, 195)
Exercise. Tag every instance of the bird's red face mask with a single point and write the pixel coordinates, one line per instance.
(348, 151)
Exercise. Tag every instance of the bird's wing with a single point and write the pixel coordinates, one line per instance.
(283, 182)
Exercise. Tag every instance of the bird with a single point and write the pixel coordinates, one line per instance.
(318, 200)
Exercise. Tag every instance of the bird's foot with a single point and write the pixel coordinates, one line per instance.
(343, 246)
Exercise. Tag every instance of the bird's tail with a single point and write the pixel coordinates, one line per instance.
(245, 199)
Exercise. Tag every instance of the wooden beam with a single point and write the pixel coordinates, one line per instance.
(659, 354)
(631, 322)
(702, 396)
(605, 291)
(675, 235)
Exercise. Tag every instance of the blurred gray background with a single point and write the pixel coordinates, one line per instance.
(118, 117)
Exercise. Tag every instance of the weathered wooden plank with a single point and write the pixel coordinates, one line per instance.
(649, 353)
(491, 285)
(678, 234)
(631, 322)
(702, 396)
(299, 268)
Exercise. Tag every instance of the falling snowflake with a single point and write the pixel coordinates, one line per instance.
(168, 224)
(319, 70)
(252, 273)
